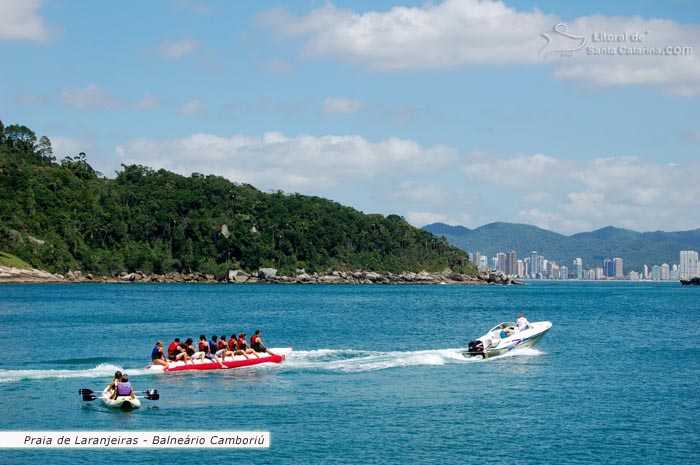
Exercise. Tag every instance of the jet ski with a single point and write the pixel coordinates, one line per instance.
(492, 344)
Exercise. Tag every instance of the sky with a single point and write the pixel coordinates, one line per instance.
(570, 116)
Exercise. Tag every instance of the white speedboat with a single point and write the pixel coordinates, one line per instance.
(492, 344)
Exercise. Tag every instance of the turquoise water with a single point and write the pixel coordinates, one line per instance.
(376, 376)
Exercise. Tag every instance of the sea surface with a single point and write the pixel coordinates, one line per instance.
(376, 377)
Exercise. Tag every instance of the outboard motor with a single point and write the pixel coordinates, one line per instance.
(476, 348)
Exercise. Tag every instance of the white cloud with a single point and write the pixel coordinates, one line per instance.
(193, 108)
(414, 193)
(452, 33)
(557, 193)
(584, 194)
(300, 163)
(20, 20)
(476, 32)
(92, 96)
(177, 49)
(516, 172)
(341, 105)
(148, 102)
(420, 219)
(72, 146)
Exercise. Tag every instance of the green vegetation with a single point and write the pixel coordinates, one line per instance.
(10, 260)
(62, 216)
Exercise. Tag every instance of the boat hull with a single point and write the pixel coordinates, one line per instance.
(230, 362)
(121, 402)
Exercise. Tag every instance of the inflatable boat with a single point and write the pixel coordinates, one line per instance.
(236, 361)
(120, 402)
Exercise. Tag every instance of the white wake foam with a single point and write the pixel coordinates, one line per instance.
(339, 360)
(103, 370)
(349, 360)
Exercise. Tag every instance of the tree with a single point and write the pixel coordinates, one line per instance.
(2, 133)
(20, 137)
(44, 148)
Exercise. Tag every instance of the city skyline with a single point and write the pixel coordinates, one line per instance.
(610, 269)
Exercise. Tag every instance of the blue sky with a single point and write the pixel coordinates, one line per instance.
(460, 111)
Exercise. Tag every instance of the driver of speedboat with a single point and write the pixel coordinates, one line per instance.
(505, 331)
(522, 322)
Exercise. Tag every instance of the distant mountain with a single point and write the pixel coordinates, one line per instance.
(636, 249)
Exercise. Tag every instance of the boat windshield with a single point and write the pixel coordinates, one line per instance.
(497, 328)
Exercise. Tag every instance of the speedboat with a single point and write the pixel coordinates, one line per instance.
(492, 344)
(236, 361)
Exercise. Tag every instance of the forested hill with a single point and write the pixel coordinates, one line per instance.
(635, 248)
(62, 216)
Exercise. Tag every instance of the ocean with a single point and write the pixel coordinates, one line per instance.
(376, 376)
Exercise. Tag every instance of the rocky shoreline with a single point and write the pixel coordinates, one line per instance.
(264, 275)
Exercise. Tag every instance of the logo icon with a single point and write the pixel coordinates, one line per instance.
(561, 43)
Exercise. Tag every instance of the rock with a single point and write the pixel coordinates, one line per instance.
(267, 273)
(330, 278)
(305, 278)
(453, 276)
(237, 276)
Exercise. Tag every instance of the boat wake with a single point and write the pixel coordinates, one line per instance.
(103, 370)
(352, 361)
(335, 360)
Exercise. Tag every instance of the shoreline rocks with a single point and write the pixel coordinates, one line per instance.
(264, 275)
(21, 275)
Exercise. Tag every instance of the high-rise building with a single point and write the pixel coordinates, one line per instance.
(501, 262)
(555, 272)
(534, 264)
(619, 272)
(512, 263)
(564, 272)
(688, 264)
(578, 266)
(608, 268)
(666, 272)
